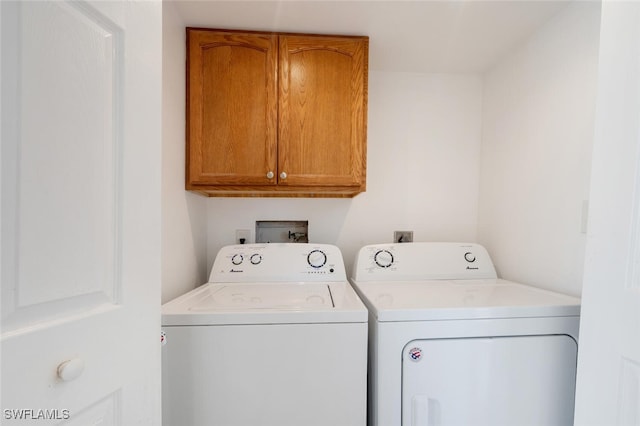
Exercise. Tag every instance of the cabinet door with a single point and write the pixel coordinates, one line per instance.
(322, 105)
(231, 108)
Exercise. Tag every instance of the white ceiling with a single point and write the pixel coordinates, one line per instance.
(412, 36)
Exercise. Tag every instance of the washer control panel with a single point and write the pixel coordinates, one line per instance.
(423, 261)
(288, 262)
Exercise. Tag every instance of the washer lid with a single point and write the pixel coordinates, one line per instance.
(265, 303)
(282, 296)
(462, 299)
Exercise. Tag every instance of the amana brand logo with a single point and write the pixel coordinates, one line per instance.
(415, 354)
(236, 270)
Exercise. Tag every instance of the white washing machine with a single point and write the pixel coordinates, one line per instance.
(277, 337)
(450, 344)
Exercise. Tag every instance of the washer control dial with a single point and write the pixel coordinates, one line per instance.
(237, 259)
(469, 257)
(317, 258)
(383, 258)
(255, 259)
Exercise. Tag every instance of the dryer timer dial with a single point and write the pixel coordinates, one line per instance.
(383, 258)
(469, 257)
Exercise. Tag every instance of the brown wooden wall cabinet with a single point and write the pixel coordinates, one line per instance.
(273, 114)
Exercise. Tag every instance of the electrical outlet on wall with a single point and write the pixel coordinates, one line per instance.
(243, 236)
(403, 236)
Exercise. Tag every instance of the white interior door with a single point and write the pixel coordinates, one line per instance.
(81, 104)
(608, 385)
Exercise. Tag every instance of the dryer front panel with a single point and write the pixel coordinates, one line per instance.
(519, 380)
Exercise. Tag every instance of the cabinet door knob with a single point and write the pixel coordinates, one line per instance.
(270, 174)
(283, 175)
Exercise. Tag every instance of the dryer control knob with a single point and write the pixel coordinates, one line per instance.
(469, 257)
(317, 258)
(383, 258)
(255, 259)
(237, 259)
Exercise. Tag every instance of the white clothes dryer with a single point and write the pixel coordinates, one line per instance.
(451, 344)
(276, 338)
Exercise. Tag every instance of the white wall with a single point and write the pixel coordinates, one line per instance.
(184, 224)
(423, 163)
(538, 115)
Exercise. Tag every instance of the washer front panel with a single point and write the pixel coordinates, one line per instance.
(265, 375)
